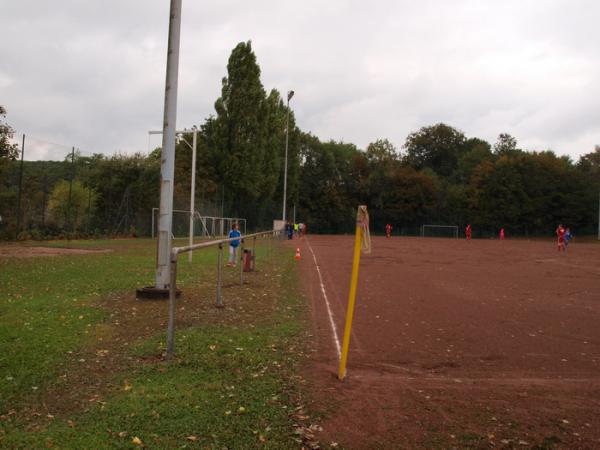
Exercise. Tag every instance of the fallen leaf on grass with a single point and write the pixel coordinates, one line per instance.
(137, 441)
(192, 438)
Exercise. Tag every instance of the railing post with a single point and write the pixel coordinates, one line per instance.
(219, 269)
(172, 298)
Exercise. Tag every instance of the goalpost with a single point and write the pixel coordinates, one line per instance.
(439, 231)
(205, 226)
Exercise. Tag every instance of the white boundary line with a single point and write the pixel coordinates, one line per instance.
(335, 336)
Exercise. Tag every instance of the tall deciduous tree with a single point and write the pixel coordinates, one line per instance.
(437, 147)
(8, 150)
(506, 144)
(476, 152)
(382, 151)
(328, 185)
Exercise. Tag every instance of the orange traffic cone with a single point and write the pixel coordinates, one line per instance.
(297, 257)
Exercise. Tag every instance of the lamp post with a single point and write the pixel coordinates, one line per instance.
(287, 133)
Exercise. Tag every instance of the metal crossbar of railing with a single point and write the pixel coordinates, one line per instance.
(176, 251)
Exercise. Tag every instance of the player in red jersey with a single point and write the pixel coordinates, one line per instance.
(388, 230)
(560, 233)
(468, 232)
(501, 234)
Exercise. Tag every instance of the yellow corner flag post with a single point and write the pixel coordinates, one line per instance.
(362, 239)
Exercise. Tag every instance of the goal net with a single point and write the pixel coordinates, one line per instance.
(447, 231)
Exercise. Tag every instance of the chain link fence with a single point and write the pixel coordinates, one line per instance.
(58, 191)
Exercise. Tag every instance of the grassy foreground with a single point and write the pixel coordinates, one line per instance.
(81, 364)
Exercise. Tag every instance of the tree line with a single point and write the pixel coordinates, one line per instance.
(438, 176)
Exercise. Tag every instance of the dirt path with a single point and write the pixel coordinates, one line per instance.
(458, 344)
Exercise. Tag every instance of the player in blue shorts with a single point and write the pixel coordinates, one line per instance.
(568, 237)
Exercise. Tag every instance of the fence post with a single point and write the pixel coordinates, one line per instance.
(219, 269)
(172, 295)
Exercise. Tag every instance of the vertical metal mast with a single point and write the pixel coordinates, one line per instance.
(287, 133)
(167, 164)
(21, 187)
(193, 192)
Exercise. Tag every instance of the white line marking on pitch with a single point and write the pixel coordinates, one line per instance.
(335, 336)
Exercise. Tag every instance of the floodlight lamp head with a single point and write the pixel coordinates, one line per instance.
(290, 95)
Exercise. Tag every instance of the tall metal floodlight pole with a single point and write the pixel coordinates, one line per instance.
(287, 133)
(193, 191)
(21, 187)
(167, 165)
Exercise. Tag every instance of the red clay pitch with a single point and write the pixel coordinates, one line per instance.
(475, 344)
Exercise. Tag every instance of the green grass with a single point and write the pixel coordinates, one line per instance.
(227, 387)
(48, 303)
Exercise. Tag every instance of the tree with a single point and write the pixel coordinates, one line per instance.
(477, 151)
(590, 162)
(328, 185)
(69, 205)
(8, 150)
(404, 197)
(437, 147)
(240, 125)
(506, 144)
(381, 151)
(246, 142)
(530, 192)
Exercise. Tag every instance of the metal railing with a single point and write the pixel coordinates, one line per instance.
(176, 251)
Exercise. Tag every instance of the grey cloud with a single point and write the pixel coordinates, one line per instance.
(92, 73)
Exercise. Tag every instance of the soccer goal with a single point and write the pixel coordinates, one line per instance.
(204, 226)
(439, 231)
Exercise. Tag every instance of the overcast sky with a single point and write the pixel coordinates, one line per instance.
(91, 73)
